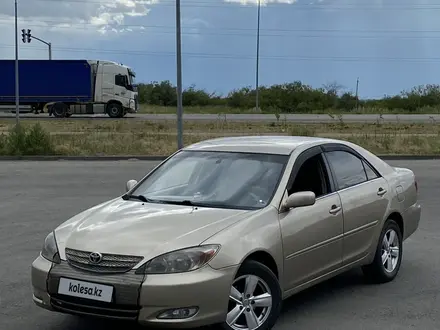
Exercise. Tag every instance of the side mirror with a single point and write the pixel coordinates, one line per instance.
(130, 184)
(299, 199)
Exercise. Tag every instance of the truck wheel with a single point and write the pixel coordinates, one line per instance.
(114, 110)
(59, 110)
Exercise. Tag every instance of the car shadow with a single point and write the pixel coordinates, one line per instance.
(341, 285)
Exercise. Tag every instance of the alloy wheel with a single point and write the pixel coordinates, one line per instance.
(390, 250)
(250, 303)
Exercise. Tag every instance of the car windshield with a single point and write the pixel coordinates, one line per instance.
(215, 179)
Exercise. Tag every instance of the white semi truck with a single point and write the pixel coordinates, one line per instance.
(69, 87)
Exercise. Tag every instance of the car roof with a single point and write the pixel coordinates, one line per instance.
(282, 145)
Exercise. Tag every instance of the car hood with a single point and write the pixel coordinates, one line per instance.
(143, 229)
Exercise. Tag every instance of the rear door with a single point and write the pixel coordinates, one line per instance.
(364, 199)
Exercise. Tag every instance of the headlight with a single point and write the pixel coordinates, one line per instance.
(180, 261)
(50, 249)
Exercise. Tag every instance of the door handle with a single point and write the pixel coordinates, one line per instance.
(335, 209)
(381, 191)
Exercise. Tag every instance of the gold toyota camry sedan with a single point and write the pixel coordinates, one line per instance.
(222, 231)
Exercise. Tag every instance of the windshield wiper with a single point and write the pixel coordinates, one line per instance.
(184, 202)
(149, 200)
(141, 198)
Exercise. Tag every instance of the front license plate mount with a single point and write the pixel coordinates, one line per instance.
(85, 290)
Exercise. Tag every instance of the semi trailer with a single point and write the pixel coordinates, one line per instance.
(69, 87)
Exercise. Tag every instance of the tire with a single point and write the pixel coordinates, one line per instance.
(266, 282)
(115, 110)
(383, 272)
(59, 110)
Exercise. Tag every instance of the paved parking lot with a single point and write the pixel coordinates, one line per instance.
(37, 196)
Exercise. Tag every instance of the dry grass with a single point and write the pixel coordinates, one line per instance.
(138, 137)
(144, 108)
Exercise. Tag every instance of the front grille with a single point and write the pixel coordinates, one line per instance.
(110, 263)
(126, 286)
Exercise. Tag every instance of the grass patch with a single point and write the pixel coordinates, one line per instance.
(153, 109)
(219, 126)
(138, 137)
(26, 140)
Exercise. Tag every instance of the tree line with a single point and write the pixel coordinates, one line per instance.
(289, 97)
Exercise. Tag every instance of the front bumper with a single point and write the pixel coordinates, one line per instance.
(133, 106)
(138, 298)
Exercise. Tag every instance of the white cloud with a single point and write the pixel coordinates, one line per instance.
(76, 24)
(94, 15)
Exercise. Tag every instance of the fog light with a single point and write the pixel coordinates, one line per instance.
(178, 313)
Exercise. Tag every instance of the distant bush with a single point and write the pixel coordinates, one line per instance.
(26, 141)
(295, 97)
(3, 144)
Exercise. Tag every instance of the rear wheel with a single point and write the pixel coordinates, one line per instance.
(254, 300)
(59, 110)
(386, 263)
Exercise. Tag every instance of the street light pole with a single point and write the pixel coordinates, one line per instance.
(257, 93)
(49, 44)
(17, 85)
(357, 93)
(179, 77)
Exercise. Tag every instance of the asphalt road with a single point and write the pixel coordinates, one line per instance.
(298, 118)
(37, 196)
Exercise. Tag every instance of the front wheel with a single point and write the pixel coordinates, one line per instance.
(254, 300)
(115, 110)
(386, 263)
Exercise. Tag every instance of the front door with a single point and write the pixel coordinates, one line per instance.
(312, 235)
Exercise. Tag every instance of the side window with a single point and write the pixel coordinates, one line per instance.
(348, 168)
(370, 173)
(312, 176)
(120, 80)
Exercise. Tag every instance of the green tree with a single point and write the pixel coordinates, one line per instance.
(293, 97)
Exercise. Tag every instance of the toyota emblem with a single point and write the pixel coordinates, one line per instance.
(95, 257)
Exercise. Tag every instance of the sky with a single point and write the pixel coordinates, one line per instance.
(389, 45)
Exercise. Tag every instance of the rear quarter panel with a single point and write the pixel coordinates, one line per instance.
(405, 199)
(401, 184)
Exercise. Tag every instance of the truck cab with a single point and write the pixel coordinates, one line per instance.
(113, 92)
(115, 86)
